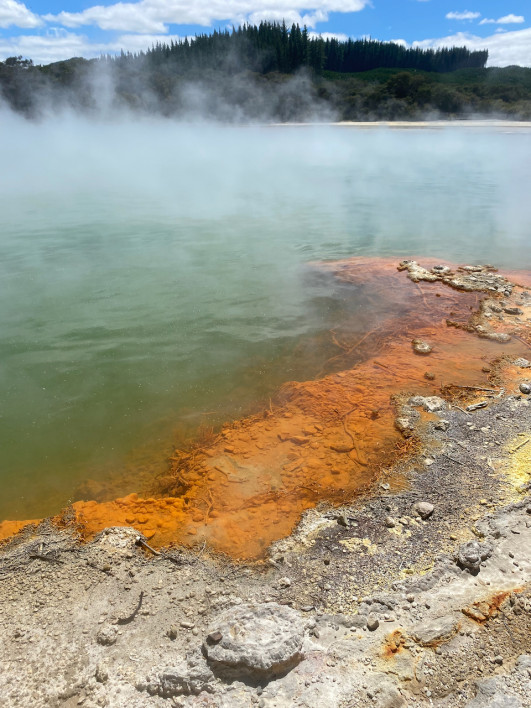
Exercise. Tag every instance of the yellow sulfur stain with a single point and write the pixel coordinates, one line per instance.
(518, 469)
(363, 545)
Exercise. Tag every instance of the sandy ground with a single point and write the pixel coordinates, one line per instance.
(415, 594)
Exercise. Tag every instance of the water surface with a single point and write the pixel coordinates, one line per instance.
(154, 276)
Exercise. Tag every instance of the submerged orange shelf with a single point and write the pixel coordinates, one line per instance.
(320, 440)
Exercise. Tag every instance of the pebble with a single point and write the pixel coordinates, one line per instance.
(421, 347)
(442, 424)
(372, 623)
(389, 522)
(525, 388)
(423, 509)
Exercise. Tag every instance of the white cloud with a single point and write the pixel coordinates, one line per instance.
(505, 48)
(466, 15)
(16, 14)
(288, 16)
(328, 35)
(506, 20)
(58, 44)
(155, 15)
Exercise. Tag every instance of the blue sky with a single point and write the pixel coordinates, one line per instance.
(50, 30)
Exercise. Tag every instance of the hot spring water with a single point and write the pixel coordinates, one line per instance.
(155, 278)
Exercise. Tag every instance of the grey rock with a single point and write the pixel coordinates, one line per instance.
(389, 697)
(477, 406)
(107, 635)
(357, 621)
(442, 424)
(404, 425)
(383, 692)
(390, 522)
(491, 694)
(417, 272)
(522, 363)
(189, 677)
(101, 674)
(493, 336)
(284, 582)
(264, 639)
(423, 509)
(121, 539)
(431, 404)
(421, 347)
(471, 554)
(525, 388)
(437, 630)
(524, 662)
(372, 622)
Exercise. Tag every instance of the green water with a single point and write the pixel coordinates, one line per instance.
(154, 277)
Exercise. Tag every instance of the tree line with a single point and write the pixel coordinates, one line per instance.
(272, 47)
(271, 73)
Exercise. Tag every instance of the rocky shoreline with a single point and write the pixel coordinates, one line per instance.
(415, 594)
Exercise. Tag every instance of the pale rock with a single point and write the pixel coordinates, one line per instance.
(471, 554)
(431, 404)
(436, 630)
(423, 509)
(262, 639)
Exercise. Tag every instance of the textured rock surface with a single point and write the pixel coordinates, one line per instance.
(470, 555)
(491, 694)
(189, 677)
(264, 638)
(439, 631)
(429, 633)
(432, 404)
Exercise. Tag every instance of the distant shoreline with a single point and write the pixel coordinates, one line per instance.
(406, 124)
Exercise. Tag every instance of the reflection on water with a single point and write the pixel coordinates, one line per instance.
(154, 278)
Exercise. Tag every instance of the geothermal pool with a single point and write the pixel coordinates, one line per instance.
(157, 279)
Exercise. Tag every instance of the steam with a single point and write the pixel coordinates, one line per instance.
(99, 89)
(152, 269)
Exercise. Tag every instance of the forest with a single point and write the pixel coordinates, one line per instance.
(271, 72)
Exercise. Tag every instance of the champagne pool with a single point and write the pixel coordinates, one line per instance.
(156, 278)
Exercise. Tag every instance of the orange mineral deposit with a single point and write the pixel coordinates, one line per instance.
(325, 439)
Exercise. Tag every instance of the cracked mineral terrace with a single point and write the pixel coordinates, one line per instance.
(366, 541)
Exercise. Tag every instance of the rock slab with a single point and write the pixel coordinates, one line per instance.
(264, 639)
(472, 554)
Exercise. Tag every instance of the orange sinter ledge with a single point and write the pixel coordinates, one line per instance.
(329, 439)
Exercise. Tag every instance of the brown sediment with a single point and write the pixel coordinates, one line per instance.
(484, 610)
(327, 439)
(393, 644)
